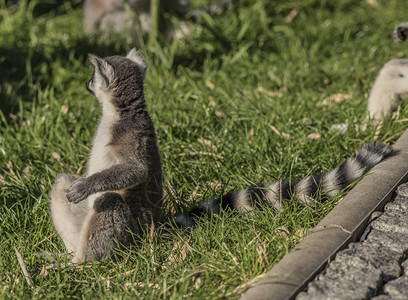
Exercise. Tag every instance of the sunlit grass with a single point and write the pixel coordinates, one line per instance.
(214, 99)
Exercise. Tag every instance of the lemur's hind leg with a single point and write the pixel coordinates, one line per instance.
(68, 218)
(110, 223)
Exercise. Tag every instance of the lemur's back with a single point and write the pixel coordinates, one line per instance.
(133, 142)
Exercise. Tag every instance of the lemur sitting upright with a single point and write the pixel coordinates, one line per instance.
(121, 190)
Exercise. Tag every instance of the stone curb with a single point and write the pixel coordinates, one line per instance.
(344, 224)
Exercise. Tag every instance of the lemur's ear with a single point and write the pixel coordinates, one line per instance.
(139, 59)
(104, 72)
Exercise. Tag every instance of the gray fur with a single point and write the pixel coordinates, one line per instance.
(121, 191)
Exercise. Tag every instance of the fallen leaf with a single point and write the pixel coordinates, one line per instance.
(209, 84)
(64, 109)
(269, 93)
(219, 114)
(282, 134)
(289, 18)
(301, 232)
(43, 272)
(282, 231)
(207, 143)
(199, 153)
(372, 2)
(26, 171)
(56, 156)
(178, 252)
(261, 250)
(251, 135)
(335, 98)
(305, 121)
(314, 136)
(194, 193)
(212, 102)
(26, 123)
(197, 283)
(8, 165)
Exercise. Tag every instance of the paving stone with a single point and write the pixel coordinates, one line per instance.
(398, 288)
(354, 278)
(395, 242)
(382, 297)
(383, 259)
(376, 268)
(392, 222)
(359, 272)
(397, 205)
(402, 190)
(404, 266)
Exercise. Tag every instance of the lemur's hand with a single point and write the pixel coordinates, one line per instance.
(400, 33)
(79, 190)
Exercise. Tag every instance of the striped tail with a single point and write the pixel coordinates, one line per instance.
(327, 185)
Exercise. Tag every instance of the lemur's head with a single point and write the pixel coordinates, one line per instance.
(395, 75)
(118, 79)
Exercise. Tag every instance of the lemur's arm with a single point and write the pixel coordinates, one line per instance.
(115, 178)
(400, 33)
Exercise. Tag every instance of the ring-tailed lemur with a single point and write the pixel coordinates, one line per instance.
(121, 190)
(389, 87)
(388, 90)
(111, 15)
(274, 194)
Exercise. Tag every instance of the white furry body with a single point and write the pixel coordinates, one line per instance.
(101, 157)
(79, 215)
(389, 87)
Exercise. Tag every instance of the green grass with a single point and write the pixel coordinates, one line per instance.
(236, 75)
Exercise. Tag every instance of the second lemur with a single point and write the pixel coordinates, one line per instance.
(389, 88)
(114, 16)
(120, 194)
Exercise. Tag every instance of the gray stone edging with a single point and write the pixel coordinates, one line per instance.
(342, 225)
(375, 267)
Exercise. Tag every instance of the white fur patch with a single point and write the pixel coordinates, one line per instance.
(100, 157)
(79, 255)
(302, 191)
(329, 184)
(353, 169)
(67, 217)
(272, 196)
(241, 201)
